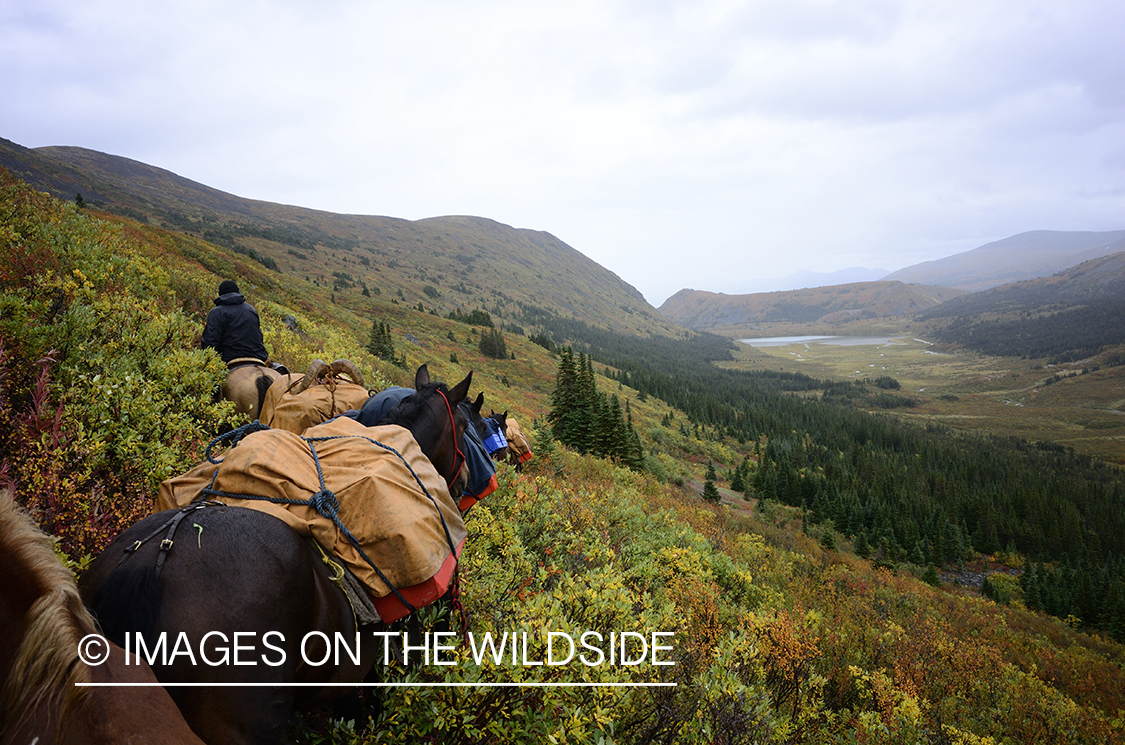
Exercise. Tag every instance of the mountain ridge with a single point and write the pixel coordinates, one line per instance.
(736, 315)
(1029, 255)
(445, 263)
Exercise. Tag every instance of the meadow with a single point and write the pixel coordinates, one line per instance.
(1079, 405)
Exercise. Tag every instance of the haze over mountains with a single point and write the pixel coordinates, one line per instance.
(738, 315)
(1038, 253)
(444, 263)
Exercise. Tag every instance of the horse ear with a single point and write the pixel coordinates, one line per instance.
(479, 403)
(459, 391)
(421, 378)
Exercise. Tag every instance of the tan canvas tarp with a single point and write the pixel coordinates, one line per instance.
(516, 441)
(380, 502)
(296, 412)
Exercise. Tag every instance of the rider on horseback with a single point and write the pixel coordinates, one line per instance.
(233, 329)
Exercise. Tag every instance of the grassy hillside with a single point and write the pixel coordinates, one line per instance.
(781, 632)
(745, 315)
(445, 263)
(1039, 253)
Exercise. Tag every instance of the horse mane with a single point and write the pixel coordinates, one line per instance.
(409, 409)
(46, 668)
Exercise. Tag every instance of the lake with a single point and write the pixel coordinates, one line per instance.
(839, 341)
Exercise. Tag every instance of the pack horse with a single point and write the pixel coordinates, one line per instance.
(237, 570)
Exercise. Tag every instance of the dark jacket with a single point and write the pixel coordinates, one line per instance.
(233, 329)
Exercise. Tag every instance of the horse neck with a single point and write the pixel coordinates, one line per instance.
(42, 615)
(435, 435)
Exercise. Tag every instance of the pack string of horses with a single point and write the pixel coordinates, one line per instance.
(287, 532)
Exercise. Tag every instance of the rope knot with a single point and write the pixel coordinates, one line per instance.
(326, 504)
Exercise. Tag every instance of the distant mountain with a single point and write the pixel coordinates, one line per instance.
(444, 263)
(1069, 316)
(804, 279)
(733, 314)
(1096, 279)
(1039, 253)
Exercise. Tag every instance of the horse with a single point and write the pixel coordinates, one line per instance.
(246, 385)
(44, 699)
(518, 451)
(255, 576)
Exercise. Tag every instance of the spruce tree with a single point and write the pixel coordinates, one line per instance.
(588, 404)
(862, 547)
(380, 343)
(564, 412)
(492, 344)
(711, 492)
(736, 482)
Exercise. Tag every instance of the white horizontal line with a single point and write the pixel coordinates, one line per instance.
(377, 685)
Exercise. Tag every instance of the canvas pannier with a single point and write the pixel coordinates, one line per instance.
(410, 529)
(516, 441)
(295, 404)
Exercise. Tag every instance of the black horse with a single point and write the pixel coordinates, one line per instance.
(255, 576)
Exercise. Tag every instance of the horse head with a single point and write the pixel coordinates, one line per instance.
(433, 416)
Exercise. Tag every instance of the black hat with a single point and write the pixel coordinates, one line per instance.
(227, 285)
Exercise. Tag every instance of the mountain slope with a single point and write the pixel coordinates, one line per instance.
(1039, 253)
(445, 263)
(735, 314)
(1069, 316)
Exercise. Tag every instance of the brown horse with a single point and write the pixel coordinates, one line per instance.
(247, 572)
(44, 621)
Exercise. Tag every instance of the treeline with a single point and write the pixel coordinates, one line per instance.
(1081, 590)
(1064, 336)
(918, 494)
(589, 421)
(1033, 320)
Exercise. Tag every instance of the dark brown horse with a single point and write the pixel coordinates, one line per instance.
(44, 621)
(237, 570)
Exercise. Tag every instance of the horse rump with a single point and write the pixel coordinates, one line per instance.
(128, 601)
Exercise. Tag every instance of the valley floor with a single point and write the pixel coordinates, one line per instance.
(1077, 405)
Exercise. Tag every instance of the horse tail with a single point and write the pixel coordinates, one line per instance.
(129, 601)
(263, 383)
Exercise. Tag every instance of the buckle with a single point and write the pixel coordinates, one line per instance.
(166, 544)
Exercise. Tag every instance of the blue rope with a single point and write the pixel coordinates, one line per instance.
(236, 435)
(324, 501)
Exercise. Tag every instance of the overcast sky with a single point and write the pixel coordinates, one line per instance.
(706, 144)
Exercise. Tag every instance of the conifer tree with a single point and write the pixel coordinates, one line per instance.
(564, 412)
(711, 492)
(492, 344)
(380, 343)
(587, 420)
(736, 482)
(862, 547)
(588, 403)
